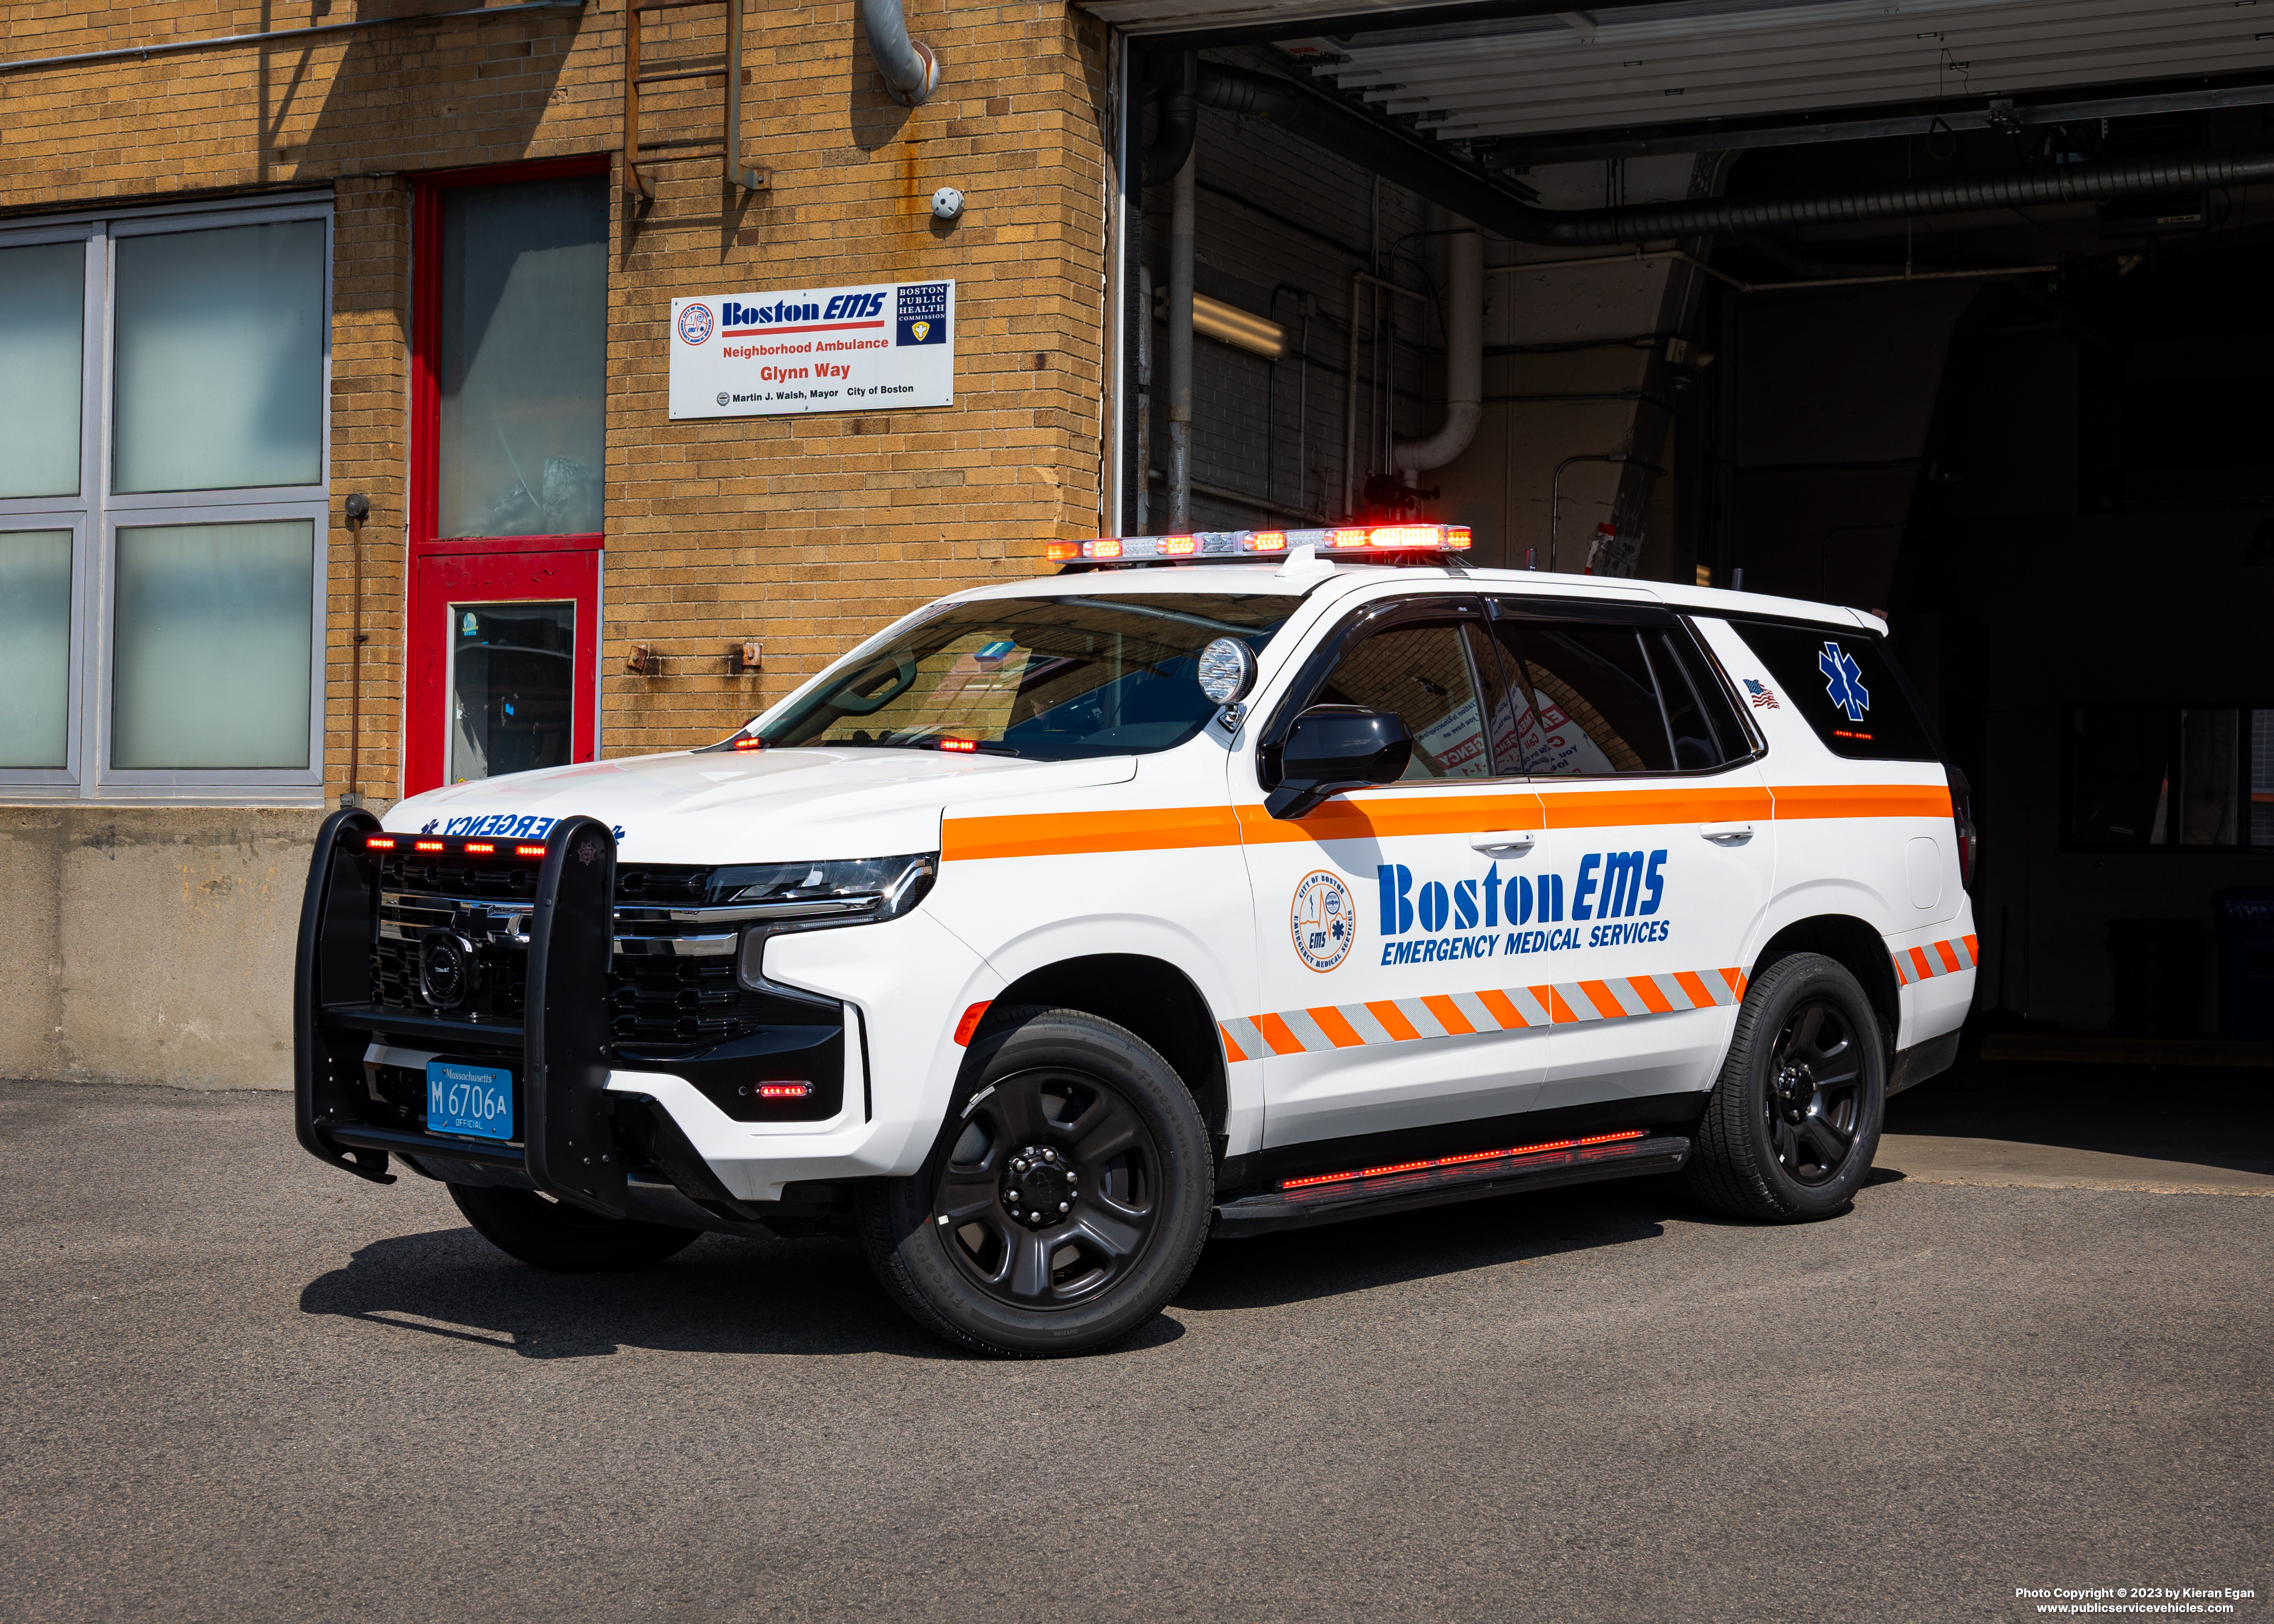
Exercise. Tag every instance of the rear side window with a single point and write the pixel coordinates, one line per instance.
(1846, 684)
(1604, 696)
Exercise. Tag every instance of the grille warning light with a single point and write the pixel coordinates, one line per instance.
(528, 851)
(481, 847)
(785, 1091)
(379, 843)
(426, 845)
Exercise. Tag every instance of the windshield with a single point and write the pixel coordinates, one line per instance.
(1051, 678)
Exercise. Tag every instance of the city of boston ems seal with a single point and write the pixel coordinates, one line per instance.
(1324, 922)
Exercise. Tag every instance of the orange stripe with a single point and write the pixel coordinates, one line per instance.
(1379, 817)
(1612, 808)
(1700, 995)
(1558, 1012)
(1605, 1002)
(1276, 1033)
(1503, 1009)
(1393, 1021)
(1447, 1013)
(1231, 1048)
(1863, 801)
(1646, 989)
(1918, 961)
(1949, 956)
(1061, 834)
(1407, 813)
(1338, 1031)
(1973, 950)
(1737, 982)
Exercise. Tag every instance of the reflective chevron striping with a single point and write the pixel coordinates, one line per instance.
(1919, 964)
(1464, 1014)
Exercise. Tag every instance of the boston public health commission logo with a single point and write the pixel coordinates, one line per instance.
(1324, 922)
(695, 324)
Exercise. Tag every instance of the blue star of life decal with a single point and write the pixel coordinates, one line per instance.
(1843, 681)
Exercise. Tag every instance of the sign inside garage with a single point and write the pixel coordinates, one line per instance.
(863, 349)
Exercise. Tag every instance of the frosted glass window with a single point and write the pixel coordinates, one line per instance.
(34, 647)
(220, 339)
(211, 645)
(523, 364)
(42, 291)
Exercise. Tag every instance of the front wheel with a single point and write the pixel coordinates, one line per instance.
(551, 1234)
(1065, 1201)
(1793, 1121)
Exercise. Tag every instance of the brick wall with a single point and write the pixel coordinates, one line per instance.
(806, 533)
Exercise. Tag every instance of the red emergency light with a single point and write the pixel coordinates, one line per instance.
(1377, 543)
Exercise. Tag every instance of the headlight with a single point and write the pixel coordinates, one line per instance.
(782, 897)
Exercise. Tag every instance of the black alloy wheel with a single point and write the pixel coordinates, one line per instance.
(1792, 1124)
(1065, 1200)
(1051, 1192)
(1814, 1095)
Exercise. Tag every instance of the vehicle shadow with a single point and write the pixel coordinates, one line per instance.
(722, 1295)
(1308, 1265)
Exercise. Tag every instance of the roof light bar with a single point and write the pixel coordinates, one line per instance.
(1375, 541)
(1469, 1159)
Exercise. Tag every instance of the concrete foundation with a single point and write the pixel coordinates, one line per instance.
(151, 944)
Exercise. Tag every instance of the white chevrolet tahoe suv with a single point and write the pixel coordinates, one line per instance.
(1213, 885)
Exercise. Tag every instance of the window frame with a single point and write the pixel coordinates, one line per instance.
(2172, 712)
(425, 470)
(1517, 608)
(94, 515)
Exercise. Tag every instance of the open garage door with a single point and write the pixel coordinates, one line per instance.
(1951, 308)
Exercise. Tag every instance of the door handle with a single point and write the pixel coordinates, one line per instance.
(1516, 842)
(1726, 834)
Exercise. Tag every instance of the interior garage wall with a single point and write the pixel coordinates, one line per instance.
(1574, 361)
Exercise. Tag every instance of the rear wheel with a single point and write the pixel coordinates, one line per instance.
(553, 1235)
(1793, 1121)
(1065, 1201)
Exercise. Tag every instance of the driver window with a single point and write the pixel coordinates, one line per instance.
(1422, 672)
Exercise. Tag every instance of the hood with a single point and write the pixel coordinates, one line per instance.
(761, 806)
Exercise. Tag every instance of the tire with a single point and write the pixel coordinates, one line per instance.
(1793, 1121)
(553, 1235)
(1054, 1106)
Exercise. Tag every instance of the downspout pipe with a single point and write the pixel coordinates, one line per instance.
(910, 70)
(1465, 364)
(1172, 136)
(1420, 166)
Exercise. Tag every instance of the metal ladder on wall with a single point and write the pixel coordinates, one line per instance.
(729, 140)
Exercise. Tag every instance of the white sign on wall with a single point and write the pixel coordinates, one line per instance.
(760, 355)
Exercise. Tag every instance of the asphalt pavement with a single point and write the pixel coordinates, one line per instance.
(240, 1385)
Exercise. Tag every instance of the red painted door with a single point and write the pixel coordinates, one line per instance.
(504, 660)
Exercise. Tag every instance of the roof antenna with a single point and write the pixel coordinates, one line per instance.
(1304, 563)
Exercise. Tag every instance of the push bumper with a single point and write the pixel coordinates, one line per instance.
(567, 1147)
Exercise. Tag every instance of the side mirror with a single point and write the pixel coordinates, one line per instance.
(1335, 748)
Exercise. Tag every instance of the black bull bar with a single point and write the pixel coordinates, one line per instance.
(567, 1148)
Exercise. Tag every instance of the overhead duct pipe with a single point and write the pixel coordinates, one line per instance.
(910, 70)
(1465, 364)
(1172, 136)
(1415, 164)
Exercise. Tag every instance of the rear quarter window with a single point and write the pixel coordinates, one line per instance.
(1848, 685)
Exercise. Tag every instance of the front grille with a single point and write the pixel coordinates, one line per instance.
(673, 987)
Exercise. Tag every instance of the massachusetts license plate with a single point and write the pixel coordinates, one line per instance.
(475, 1101)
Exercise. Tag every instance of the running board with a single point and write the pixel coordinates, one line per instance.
(1367, 1194)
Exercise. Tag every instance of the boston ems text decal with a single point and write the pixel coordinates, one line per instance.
(1612, 900)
